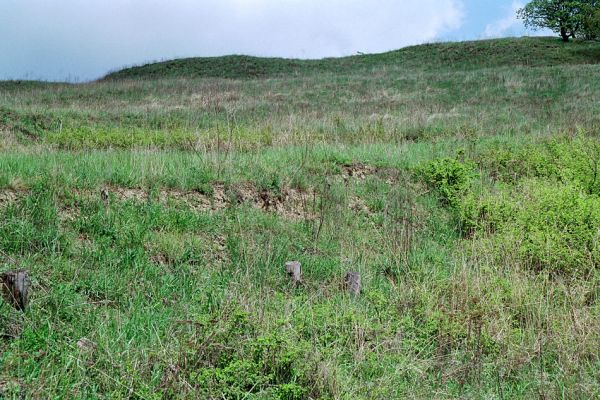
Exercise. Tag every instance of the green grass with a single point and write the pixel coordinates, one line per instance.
(531, 52)
(466, 196)
(392, 102)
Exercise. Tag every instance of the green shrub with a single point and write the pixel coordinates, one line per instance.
(579, 163)
(543, 204)
(510, 165)
(550, 226)
(481, 214)
(234, 363)
(565, 159)
(262, 364)
(557, 227)
(233, 381)
(450, 177)
(290, 391)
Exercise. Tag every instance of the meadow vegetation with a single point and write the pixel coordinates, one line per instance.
(459, 179)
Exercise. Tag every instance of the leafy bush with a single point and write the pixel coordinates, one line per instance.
(481, 214)
(569, 160)
(234, 362)
(450, 177)
(263, 364)
(233, 381)
(549, 226)
(290, 391)
(556, 227)
(543, 205)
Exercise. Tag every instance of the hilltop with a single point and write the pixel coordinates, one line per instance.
(526, 51)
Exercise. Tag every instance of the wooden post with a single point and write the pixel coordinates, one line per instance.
(15, 288)
(352, 283)
(294, 271)
(105, 196)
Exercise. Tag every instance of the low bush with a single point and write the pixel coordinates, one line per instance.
(235, 362)
(552, 227)
(542, 205)
(548, 226)
(450, 177)
(565, 159)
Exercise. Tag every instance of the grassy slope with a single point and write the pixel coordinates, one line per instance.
(214, 183)
(393, 101)
(465, 55)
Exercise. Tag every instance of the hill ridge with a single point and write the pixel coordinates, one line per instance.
(529, 51)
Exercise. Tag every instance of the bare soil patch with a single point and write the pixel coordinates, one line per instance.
(360, 172)
(8, 196)
(289, 203)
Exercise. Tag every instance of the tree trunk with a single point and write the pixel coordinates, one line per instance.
(15, 288)
(564, 34)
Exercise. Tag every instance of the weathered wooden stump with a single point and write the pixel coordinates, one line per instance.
(294, 271)
(15, 288)
(105, 196)
(352, 283)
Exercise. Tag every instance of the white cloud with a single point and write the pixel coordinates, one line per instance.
(504, 26)
(55, 39)
(510, 25)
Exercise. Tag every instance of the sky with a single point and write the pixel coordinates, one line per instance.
(81, 40)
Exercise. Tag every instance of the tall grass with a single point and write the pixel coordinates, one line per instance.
(466, 199)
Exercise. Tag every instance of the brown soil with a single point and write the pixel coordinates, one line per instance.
(359, 171)
(9, 196)
(290, 203)
(358, 205)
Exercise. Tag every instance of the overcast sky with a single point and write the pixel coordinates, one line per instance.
(79, 40)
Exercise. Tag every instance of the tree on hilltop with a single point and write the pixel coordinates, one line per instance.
(566, 17)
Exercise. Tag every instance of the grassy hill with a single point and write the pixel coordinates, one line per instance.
(533, 52)
(504, 86)
(154, 211)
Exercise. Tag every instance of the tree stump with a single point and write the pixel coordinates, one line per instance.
(15, 288)
(352, 283)
(104, 196)
(294, 271)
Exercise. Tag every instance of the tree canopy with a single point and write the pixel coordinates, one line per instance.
(592, 25)
(569, 18)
